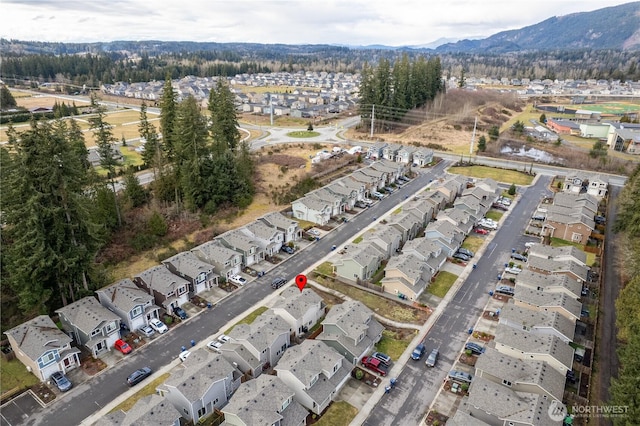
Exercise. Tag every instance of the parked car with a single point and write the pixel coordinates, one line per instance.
(500, 206)
(374, 364)
(538, 217)
(465, 251)
(460, 376)
(224, 338)
(600, 220)
(461, 256)
(138, 376)
(529, 244)
(432, 358)
(384, 358)
(389, 189)
(288, 249)
(146, 331)
(513, 270)
(278, 282)
(158, 326)
(585, 291)
(481, 231)
(314, 232)
(361, 204)
(377, 194)
(237, 279)
(418, 352)
(518, 256)
(475, 348)
(61, 381)
(505, 289)
(180, 313)
(122, 346)
(488, 223)
(184, 355)
(504, 200)
(214, 345)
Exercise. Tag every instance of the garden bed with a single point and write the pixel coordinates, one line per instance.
(468, 360)
(436, 419)
(366, 377)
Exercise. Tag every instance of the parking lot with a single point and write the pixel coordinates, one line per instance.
(19, 409)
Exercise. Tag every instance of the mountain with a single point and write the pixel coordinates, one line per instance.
(616, 27)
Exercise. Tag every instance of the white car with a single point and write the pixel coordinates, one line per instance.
(223, 338)
(214, 345)
(514, 270)
(237, 279)
(158, 326)
(314, 232)
(529, 244)
(146, 331)
(184, 355)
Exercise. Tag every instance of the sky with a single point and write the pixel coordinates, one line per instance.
(346, 22)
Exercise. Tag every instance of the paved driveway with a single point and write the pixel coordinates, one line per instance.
(19, 409)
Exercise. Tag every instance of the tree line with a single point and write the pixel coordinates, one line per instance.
(624, 388)
(58, 211)
(388, 92)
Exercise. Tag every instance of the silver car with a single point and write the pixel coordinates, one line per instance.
(432, 358)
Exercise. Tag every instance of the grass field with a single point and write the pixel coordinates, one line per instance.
(249, 318)
(473, 243)
(149, 389)
(612, 107)
(15, 375)
(499, 175)
(340, 413)
(495, 215)
(391, 345)
(440, 287)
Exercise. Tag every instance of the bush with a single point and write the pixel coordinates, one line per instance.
(359, 374)
(512, 189)
(157, 225)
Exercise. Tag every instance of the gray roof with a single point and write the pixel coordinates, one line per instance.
(125, 295)
(238, 240)
(364, 255)
(411, 266)
(314, 203)
(262, 230)
(340, 190)
(151, 410)
(448, 230)
(423, 247)
(406, 220)
(530, 343)
(353, 318)
(87, 314)
(387, 234)
(545, 251)
(509, 406)
(215, 251)
(198, 373)
(462, 418)
(278, 220)
(548, 300)
(189, 264)
(258, 402)
(572, 200)
(297, 302)
(38, 336)
(532, 318)
(350, 184)
(159, 278)
(556, 266)
(262, 332)
(242, 352)
(517, 371)
(549, 282)
(568, 215)
(310, 359)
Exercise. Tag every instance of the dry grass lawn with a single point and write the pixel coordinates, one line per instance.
(499, 175)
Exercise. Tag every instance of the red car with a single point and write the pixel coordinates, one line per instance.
(123, 346)
(374, 364)
(481, 231)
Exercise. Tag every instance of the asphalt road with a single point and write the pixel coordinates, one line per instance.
(417, 384)
(91, 396)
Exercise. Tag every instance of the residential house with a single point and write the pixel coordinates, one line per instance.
(486, 198)
(269, 238)
(569, 224)
(133, 305)
(489, 185)
(498, 404)
(90, 324)
(562, 253)
(537, 321)
(570, 268)
(475, 207)
(247, 246)
(448, 236)
(358, 264)
(148, 410)
(463, 418)
(267, 338)
(548, 302)
(351, 329)
(243, 359)
(592, 184)
(312, 210)
(406, 223)
(528, 346)
(349, 196)
(199, 274)
(352, 185)
(169, 290)
(42, 347)
(387, 239)
(338, 203)
(394, 168)
(266, 400)
(422, 157)
(300, 309)
(315, 372)
(556, 284)
(438, 199)
(460, 218)
(226, 262)
(376, 151)
(390, 151)
(421, 208)
(405, 155)
(520, 375)
(382, 178)
(406, 275)
(572, 201)
(428, 251)
(370, 183)
(287, 226)
(203, 383)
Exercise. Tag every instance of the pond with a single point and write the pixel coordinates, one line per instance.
(533, 153)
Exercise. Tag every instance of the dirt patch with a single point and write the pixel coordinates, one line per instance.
(468, 359)
(329, 298)
(43, 392)
(435, 418)
(490, 315)
(92, 366)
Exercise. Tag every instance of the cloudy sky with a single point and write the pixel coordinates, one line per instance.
(348, 22)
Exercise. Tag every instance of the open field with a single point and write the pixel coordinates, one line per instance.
(15, 375)
(473, 243)
(393, 344)
(612, 107)
(339, 413)
(499, 175)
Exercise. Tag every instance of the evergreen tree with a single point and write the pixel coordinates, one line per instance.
(49, 222)
(105, 141)
(167, 116)
(494, 133)
(6, 98)
(133, 191)
(482, 144)
(224, 121)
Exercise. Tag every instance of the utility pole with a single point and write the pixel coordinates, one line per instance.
(373, 117)
(271, 108)
(473, 136)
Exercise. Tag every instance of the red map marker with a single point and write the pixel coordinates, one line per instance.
(301, 281)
